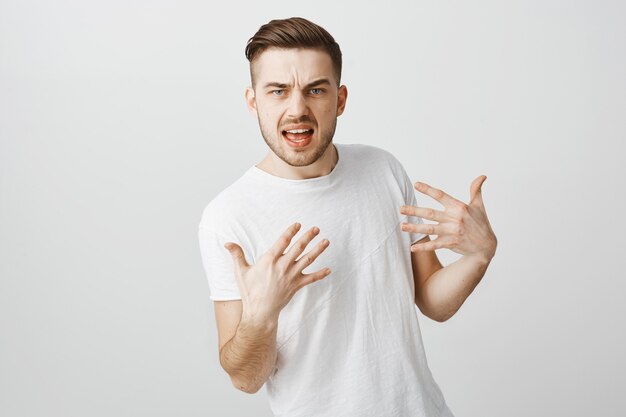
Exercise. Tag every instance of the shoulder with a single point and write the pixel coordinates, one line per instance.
(374, 156)
(374, 152)
(221, 210)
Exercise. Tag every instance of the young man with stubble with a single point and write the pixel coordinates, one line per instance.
(327, 319)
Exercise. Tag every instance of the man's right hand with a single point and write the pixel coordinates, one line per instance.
(267, 286)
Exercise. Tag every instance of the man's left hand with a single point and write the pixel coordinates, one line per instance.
(462, 228)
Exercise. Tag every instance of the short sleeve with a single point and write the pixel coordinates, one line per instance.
(410, 200)
(218, 265)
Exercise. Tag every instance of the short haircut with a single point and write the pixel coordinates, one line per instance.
(295, 32)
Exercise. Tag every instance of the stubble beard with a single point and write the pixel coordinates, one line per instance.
(293, 156)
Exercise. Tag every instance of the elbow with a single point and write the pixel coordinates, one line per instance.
(431, 314)
(239, 383)
(440, 319)
(243, 383)
(245, 387)
(443, 316)
(438, 316)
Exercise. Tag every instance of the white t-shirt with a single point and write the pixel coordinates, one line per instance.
(349, 344)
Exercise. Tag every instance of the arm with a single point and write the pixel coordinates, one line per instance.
(250, 354)
(250, 325)
(462, 228)
(439, 291)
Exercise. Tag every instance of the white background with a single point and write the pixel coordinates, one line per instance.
(121, 120)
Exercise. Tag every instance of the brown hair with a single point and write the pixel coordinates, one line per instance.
(295, 32)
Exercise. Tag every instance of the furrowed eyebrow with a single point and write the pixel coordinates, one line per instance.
(309, 85)
(278, 85)
(317, 82)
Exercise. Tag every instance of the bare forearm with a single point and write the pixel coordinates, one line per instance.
(446, 290)
(249, 357)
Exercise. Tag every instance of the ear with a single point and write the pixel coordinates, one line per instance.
(250, 100)
(342, 96)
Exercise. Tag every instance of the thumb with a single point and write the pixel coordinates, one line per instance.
(237, 254)
(476, 189)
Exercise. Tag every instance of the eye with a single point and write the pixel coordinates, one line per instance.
(277, 91)
(319, 91)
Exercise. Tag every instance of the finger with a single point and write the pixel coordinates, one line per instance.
(431, 245)
(239, 259)
(308, 258)
(427, 229)
(278, 248)
(311, 278)
(476, 189)
(437, 194)
(299, 247)
(425, 213)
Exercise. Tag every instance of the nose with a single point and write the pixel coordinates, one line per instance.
(297, 104)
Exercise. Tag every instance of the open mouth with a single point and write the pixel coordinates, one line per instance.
(298, 136)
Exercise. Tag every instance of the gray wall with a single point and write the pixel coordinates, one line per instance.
(120, 121)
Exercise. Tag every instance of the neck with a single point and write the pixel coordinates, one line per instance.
(272, 164)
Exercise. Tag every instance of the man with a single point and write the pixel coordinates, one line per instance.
(330, 329)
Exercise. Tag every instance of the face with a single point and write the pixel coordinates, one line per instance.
(295, 89)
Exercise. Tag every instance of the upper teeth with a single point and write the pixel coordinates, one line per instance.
(298, 130)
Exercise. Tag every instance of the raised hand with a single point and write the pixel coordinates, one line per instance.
(462, 228)
(267, 286)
